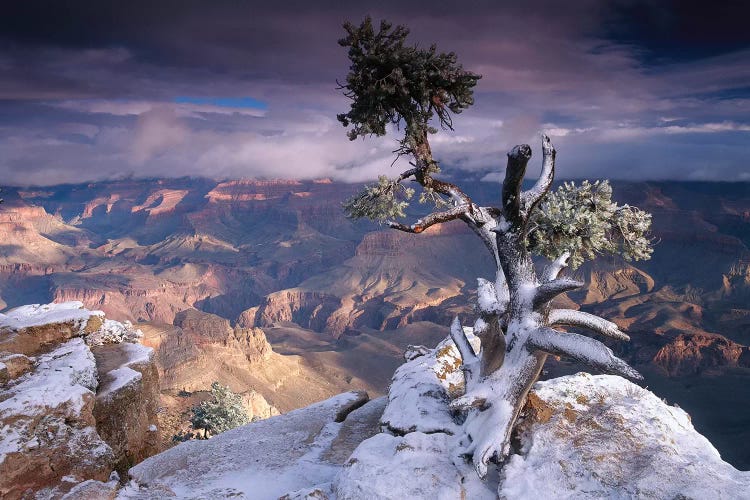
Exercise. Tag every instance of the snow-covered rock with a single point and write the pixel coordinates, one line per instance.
(421, 389)
(604, 437)
(582, 436)
(416, 465)
(127, 401)
(47, 423)
(67, 414)
(265, 459)
(114, 332)
(35, 328)
(47, 314)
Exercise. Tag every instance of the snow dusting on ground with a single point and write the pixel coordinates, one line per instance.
(583, 436)
(264, 459)
(43, 314)
(604, 437)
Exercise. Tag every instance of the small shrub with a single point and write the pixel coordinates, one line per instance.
(222, 412)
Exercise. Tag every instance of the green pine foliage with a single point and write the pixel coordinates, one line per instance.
(583, 220)
(222, 412)
(391, 82)
(379, 202)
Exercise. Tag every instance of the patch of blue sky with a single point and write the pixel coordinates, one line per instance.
(224, 102)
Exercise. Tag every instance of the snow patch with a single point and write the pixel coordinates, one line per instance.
(137, 353)
(42, 314)
(114, 332)
(119, 379)
(61, 380)
(608, 438)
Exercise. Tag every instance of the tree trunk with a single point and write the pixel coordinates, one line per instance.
(515, 314)
(519, 310)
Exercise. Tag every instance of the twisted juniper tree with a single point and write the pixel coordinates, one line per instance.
(391, 82)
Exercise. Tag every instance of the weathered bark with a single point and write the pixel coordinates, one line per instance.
(515, 313)
(588, 321)
(494, 401)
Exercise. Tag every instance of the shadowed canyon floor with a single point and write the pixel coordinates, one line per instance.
(265, 286)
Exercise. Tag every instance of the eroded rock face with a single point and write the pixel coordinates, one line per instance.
(694, 353)
(67, 416)
(207, 328)
(309, 309)
(202, 348)
(48, 425)
(127, 402)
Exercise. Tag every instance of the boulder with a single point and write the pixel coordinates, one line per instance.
(48, 426)
(604, 437)
(422, 387)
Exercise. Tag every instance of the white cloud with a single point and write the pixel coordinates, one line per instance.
(156, 132)
(136, 107)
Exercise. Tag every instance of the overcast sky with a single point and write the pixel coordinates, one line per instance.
(224, 89)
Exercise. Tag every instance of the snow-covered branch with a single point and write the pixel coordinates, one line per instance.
(518, 158)
(532, 196)
(551, 289)
(469, 360)
(430, 220)
(555, 267)
(584, 349)
(585, 320)
(407, 174)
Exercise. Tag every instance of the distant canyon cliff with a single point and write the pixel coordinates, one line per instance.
(281, 256)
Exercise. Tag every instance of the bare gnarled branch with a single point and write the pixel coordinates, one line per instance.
(518, 158)
(585, 320)
(531, 197)
(583, 349)
(551, 289)
(430, 220)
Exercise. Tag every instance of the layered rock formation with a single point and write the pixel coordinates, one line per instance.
(77, 400)
(392, 280)
(267, 253)
(202, 348)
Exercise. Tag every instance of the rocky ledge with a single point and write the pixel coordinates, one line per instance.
(77, 402)
(581, 436)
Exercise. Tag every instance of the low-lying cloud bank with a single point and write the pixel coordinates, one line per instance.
(225, 92)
